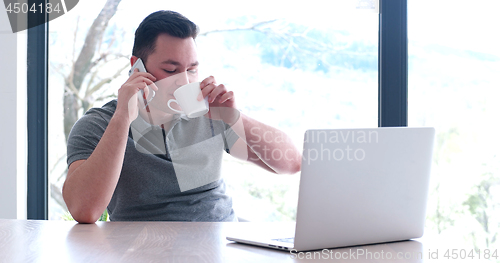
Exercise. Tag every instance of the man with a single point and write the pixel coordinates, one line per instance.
(110, 156)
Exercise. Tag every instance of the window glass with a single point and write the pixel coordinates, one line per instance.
(454, 63)
(292, 66)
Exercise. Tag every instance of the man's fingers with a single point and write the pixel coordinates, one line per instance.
(207, 81)
(146, 92)
(227, 96)
(217, 91)
(153, 86)
(200, 96)
(208, 90)
(143, 80)
(138, 74)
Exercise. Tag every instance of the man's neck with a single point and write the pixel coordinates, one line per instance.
(156, 117)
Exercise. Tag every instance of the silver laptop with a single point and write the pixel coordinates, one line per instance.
(357, 187)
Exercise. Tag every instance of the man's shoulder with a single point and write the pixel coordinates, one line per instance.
(107, 110)
(96, 117)
(99, 114)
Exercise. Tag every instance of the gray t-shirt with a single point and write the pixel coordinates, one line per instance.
(179, 182)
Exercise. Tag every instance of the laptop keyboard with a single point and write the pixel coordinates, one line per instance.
(286, 240)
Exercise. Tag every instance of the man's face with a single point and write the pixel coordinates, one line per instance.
(173, 56)
(174, 63)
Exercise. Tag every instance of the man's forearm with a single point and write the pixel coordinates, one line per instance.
(89, 188)
(269, 145)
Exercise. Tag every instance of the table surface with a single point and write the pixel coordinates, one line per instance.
(63, 241)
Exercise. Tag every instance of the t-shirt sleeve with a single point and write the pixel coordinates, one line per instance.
(84, 136)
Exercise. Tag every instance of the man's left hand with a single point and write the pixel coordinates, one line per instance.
(221, 101)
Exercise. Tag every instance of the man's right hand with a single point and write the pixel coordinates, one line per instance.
(127, 104)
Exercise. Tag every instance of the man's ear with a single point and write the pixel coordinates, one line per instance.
(133, 59)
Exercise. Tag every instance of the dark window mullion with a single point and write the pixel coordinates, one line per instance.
(393, 63)
(37, 66)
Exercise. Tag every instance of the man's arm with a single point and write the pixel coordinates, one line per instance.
(265, 146)
(258, 143)
(90, 183)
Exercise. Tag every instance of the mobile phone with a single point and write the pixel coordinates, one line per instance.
(145, 101)
(137, 65)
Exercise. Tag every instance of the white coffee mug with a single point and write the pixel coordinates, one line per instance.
(187, 98)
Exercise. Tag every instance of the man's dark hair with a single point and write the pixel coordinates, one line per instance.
(161, 22)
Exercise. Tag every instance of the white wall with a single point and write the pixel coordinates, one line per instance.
(13, 134)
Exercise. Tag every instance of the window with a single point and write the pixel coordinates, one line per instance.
(294, 68)
(454, 62)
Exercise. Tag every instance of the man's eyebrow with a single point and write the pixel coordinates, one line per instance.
(176, 63)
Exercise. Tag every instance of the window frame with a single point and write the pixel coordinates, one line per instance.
(37, 110)
(393, 63)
